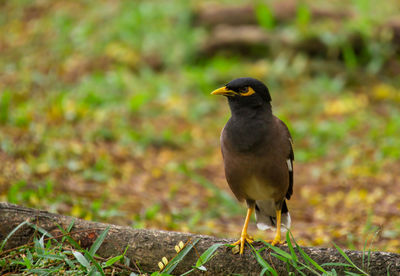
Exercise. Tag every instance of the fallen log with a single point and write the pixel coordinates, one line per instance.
(212, 14)
(252, 40)
(235, 28)
(147, 247)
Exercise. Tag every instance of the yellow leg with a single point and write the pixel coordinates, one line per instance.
(244, 236)
(277, 238)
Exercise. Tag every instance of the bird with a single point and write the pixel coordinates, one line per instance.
(257, 151)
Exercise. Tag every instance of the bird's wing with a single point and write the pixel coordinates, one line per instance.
(290, 158)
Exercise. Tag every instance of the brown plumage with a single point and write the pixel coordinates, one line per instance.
(258, 155)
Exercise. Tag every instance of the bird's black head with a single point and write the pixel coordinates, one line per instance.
(245, 89)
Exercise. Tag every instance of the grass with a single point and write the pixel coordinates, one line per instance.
(306, 265)
(49, 255)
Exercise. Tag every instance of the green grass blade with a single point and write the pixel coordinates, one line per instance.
(308, 258)
(265, 269)
(333, 272)
(301, 272)
(336, 264)
(208, 254)
(303, 16)
(187, 272)
(82, 260)
(349, 56)
(28, 263)
(12, 233)
(73, 242)
(363, 253)
(37, 246)
(97, 243)
(283, 259)
(93, 272)
(51, 257)
(369, 259)
(70, 263)
(351, 273)
(67, 236)
(41, 230)
(174, 262)
(343, 254)
(71, 225)
(279, 251)
(98, 266)
(127, 261)
(41, 241)
(387, 270)
(291, 249)
(41, 271)
(113, 260)
(348, 259)
(265, 16)
(264, 264)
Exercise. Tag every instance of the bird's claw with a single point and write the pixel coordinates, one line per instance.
(275, 242)
(241, 241)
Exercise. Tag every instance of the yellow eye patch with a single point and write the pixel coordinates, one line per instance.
(249, 92)
(246, 91)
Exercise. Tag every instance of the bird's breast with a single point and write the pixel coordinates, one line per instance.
(257, 189)
(252, 176)
(255, 168)
(245, 135)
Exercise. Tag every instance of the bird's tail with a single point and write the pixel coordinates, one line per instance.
(266, 215)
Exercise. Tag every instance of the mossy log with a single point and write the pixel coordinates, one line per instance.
(214, 14)
(236, 28)
(147, 247)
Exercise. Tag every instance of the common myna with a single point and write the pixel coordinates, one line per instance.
(258, 156)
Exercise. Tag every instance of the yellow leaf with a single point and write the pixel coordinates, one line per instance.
(42, 168)
(384, 92)
(236, 249)
(160, 265)
(164, 260)
(122, 53)
(345, 105)
(76, 211)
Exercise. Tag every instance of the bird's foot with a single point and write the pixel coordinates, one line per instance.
(243, 238)
(275, 241)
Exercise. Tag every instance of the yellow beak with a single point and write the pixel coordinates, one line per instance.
(224, 91)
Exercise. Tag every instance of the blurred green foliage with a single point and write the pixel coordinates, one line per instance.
(105, 114)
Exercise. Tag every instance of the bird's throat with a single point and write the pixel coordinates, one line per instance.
(245, 133)
(250, 110)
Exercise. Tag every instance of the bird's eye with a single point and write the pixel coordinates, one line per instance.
(244, 89)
